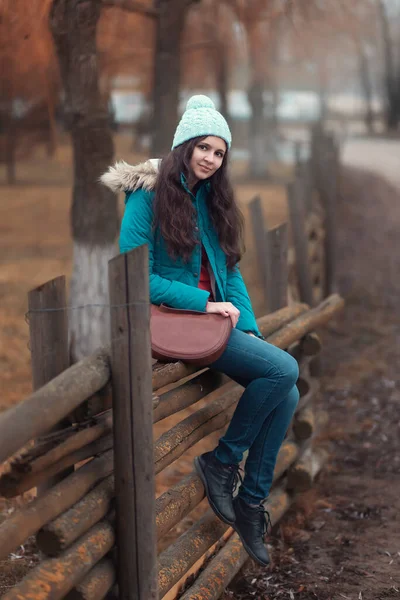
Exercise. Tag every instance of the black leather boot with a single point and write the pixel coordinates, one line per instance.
(219, 481)
(251, 524)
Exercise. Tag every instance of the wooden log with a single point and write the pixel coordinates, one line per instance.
(48, 405)
(29, 519)
(230, 559)
(288, 453)
(295, 195)
(259, 229)
(271, 323)
(185, 434)
(133, 425)
(302, 474)
(303, 385)
(186, 394)
(177, 502)
(77, 436)
(97, 583)
(219, 572)
(312, 319)
(60, 533)
(171, 506)
(176, 589)
(11, 486)
(314, 387)
(277, 248)
(304, 423)
(188, 548)
(53, 578)
(48, 339)
(165, 374)
(308, 345)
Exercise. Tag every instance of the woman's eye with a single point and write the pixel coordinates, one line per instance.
(202, 147)
(220, 155)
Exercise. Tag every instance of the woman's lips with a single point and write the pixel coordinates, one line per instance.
(205, 169)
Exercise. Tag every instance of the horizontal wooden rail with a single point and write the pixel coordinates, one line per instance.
(61, 532)
(29, 519)
(302, 474)
(51, 403)
(11, 486)
(53, 578)
(312, 319)
(97, 583)
(187, 549)
(186, 394)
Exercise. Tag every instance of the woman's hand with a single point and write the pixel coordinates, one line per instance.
(226, 309)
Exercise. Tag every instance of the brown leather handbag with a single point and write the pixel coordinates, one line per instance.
(188, 335)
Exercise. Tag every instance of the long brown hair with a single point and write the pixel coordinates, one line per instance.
(175, 214)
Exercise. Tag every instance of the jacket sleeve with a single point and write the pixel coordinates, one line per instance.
(236, 292)
(136, 230)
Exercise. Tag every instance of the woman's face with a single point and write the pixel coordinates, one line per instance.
(207, 157)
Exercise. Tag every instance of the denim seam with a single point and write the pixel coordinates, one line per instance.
(253, 498)
(250, 425)
(268, 429)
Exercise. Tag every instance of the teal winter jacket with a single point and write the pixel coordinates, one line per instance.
(172, 281)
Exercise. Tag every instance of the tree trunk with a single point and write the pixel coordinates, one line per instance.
(11, 147)
(222, 79)
(257, 144)
(167, 73)
(366, 87)
(94, 216)
(391, 88)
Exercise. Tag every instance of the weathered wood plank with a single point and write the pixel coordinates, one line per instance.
(133, 425)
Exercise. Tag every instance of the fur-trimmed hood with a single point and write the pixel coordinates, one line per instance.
(128, 178)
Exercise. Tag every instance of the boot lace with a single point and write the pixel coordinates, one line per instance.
(235, 478)
(264, 520)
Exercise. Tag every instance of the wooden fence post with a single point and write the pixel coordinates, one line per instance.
(325, 164)
(331, 180)
(260, 242)
(295, 191)
(133, 425)
(48, 334)
(277, 242)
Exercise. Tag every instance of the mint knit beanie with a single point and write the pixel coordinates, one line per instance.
(201, 118)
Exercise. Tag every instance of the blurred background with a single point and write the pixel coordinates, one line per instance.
(84, 83)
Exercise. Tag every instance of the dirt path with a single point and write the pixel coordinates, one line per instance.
(343, 539)
(380, 156)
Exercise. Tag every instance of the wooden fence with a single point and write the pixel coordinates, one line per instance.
(84, 439)
(310, 259)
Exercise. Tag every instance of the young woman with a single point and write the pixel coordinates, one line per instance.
(183, 207)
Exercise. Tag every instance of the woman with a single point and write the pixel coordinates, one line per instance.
(183, 207)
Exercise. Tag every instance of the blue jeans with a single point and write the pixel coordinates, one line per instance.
(264, 411)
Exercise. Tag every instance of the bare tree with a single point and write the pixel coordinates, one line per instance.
(392, 74)
(94, 218)
(171, 18)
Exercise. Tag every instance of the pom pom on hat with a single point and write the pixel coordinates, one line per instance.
(199, 101)
(201, 118)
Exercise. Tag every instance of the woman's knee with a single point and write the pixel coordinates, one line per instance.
(292, 399)
(289, 368)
